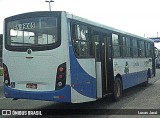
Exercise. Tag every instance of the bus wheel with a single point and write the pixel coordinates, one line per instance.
(117, 92)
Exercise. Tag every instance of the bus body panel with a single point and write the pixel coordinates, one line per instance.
(81, 81)
(58, 96)
(79, 98)
(133, 71)
(40, 68)
(84, 76)
(88, 65)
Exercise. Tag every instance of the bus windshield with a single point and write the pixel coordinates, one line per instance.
(33, 32)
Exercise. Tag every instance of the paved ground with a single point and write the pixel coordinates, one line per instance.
(138, 97)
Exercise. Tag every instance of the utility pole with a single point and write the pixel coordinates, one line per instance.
(49, 3)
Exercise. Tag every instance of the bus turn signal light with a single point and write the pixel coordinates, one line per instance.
(61, 76)
(61, 69)
(6, 75)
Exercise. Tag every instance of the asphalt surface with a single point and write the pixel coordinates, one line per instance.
(138, 97)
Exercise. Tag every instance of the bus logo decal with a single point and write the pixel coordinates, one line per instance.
(24, 26)
(29, 51)
(126, 68)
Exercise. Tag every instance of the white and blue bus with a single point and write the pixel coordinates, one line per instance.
(157, 52)
(56, 56)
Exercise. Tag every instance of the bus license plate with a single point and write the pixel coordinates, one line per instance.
(31, 85)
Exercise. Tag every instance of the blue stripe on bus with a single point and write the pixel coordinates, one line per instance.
(81, 81)
(132, 79)
(46, 95)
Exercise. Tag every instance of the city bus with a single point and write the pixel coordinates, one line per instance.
(57, 56)
(157, 53)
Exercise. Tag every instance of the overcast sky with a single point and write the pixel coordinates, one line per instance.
(134, 16)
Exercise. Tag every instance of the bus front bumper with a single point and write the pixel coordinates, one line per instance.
(62, 95)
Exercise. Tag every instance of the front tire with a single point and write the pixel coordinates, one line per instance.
(117, 92)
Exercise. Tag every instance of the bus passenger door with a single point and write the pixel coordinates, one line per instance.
(98, 70)
(104, 65)
(106, 60)
(109, 63)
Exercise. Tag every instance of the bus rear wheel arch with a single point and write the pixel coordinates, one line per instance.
(117, 89)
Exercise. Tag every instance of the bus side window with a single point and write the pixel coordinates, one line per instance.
(81, 40)
(116, 45)
(148, 52)
(73, 37)
(96, 47)
(141, 49)
(126, 44)
(135, 47)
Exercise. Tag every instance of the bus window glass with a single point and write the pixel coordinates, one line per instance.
(135, 47)
(116, 46)
(147, 49)
(115, 39)
(82, 32)
(80, 39)
(32, 31)
(84, 48)
(126, 47)
(46, 39)
(142, 48)
(151, 50)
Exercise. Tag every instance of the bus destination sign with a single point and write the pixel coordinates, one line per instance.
(24, 26)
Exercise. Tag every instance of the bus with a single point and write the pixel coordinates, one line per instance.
(157, 52)
(57, 56)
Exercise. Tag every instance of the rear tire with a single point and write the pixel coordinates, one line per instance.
(117, 92)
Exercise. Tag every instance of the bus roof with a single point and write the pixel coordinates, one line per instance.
(74, 17)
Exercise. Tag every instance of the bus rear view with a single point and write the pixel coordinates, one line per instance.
(57, 56)
(33, 62)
